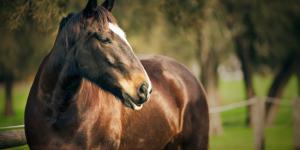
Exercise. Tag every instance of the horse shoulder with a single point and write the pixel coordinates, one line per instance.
(100, 116)
(167, 76)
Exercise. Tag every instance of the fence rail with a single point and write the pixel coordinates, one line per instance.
(13, 136)
(12, 127)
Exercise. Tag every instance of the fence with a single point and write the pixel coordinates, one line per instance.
(258, 117)
(14, 135)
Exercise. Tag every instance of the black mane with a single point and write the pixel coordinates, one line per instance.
(64, 21)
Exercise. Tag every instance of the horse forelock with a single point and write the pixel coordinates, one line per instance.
(75, 24)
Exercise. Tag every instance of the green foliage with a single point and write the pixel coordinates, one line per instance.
(7, 53)
(137, 16)
(188, 13)
(277, 27)
(161, 26)
(40, 14)
(271, 26)
(25, 29)
(149, 33)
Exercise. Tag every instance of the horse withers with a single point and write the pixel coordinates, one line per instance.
(92, 92)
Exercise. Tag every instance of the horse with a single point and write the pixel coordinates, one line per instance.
(92, 92)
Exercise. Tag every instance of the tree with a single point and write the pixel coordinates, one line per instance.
(279, 44)
(23, 28)
(200, 18)
(267, 37)
(239, 18)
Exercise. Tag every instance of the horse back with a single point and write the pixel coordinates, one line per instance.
(186, 97)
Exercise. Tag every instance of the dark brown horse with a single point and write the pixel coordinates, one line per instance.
(90, 90)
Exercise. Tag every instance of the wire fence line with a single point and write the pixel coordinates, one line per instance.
(12, 127)
(251, 101)
(232, 106)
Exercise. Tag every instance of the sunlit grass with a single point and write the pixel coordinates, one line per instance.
(20, 94)
(237, 135)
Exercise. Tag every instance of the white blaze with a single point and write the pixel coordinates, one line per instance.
(117, 30)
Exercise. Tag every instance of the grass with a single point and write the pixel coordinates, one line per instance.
(236, 135)
(19, 101)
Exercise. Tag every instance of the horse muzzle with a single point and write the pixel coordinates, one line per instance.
(143, 95)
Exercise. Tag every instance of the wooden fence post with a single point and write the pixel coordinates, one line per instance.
(258, 117)
(297, 123)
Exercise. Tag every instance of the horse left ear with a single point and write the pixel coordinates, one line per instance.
(90, 7)
(108, 4)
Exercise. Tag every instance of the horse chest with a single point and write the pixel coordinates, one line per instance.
(102, 128)
(146, 129)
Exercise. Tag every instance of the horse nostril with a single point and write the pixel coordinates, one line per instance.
(143, 92)
(143, 88)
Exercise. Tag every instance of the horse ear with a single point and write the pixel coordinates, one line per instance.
(108, 4)
(90, 7)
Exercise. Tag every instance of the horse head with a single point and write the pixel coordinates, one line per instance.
(103, 55)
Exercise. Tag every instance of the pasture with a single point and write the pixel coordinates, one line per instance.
(236, 135)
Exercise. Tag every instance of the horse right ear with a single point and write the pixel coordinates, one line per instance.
(108, 4)
(90, 8)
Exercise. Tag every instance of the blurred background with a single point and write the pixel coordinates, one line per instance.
(241, 51)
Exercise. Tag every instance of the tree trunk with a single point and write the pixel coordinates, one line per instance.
(297, 112)
(298, 74)
(211, 86)
(242, 51)
(244, 46)
(258, 125)
(8, 108)
(209, 77)
(280, 81)
(296, 117)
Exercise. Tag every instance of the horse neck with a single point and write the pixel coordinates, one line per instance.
(59, 79)
(57, 68)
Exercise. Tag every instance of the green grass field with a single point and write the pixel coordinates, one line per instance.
(236, 135)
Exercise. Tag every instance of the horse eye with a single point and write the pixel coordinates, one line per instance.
(102, 39)
(106, 41)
